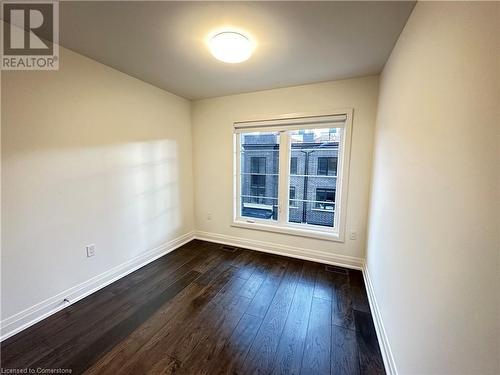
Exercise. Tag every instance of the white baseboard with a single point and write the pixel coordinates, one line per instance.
(26, 318)
(385, 348)
(290, 251)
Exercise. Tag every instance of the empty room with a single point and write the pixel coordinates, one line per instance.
(250, 187)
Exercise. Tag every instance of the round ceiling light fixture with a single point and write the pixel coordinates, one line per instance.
(230, 47)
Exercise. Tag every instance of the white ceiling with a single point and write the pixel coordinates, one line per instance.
(163, 43)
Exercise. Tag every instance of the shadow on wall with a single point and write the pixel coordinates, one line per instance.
(124, 198)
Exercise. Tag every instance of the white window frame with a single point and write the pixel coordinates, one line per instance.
(283, 124)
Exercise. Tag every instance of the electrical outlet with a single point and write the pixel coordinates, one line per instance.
(90, 250)
(354, 235)
(209, 216)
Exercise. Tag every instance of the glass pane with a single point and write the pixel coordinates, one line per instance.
(301, 211)
(314, 183)
(259, 175)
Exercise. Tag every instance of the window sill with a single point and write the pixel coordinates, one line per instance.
(316, 234)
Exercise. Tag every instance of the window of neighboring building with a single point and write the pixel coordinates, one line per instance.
(258, 187)
(327, 166)
(325, 199)
(258, 180)
(292, 197)
(258, 164)
(293, 165)
(279, 199)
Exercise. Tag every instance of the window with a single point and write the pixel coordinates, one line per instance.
(292, 196)
(257, 178)
(327, 166)
(258, 164)
(325, 199)
(257, 187)
(293, 165)
(272, 195)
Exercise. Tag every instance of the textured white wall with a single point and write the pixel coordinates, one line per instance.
(213, 154)
(89, 155)
(433, 244)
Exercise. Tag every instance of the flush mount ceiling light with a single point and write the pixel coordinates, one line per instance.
(230, 47)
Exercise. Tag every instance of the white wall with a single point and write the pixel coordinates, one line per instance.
(213, 151)
(433, 245)
(89, 155)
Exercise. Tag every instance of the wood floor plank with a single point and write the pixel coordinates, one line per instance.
(165, 335)
(267, 290)
(261, 357)
(112, 361)
(155, 362)
(344, 352)
(223, 264)
(92, 348)
(316, 358)
(218, 327)
(24, 351)
(232, 356)
(211, 260)
(175, 338)
(252, 285)
(259, 271)
(370, 359)
(358, 291)
(291, 345)
(245, 262)
(123, 306)
(324, 284)
(309, 272)
(198, 329)
(342, 311)
(164, 265)
(163, 327)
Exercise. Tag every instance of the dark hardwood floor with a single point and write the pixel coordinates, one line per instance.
(203, 309)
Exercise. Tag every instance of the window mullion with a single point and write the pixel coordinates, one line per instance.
(284, 167)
